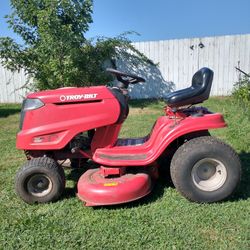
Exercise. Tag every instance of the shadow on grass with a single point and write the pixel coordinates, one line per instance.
(5, 112)
(74, 175)
(243, 191)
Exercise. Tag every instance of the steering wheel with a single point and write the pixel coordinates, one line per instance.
(125, 78)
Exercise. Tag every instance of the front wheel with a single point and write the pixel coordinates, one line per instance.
(205, 169)
(40, 180)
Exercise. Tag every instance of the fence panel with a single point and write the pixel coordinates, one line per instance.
(12, 85)
(179, 59)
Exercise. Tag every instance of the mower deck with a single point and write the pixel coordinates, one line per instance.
(96, 190)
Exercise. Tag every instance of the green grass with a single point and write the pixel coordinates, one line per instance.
(163, 220)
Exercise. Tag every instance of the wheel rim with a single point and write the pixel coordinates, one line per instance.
(209, 174)
(39, 185)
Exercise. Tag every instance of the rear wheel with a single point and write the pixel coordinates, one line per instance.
(40, 180)
(165, 160)
(205, 169)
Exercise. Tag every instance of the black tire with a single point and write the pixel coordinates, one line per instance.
(205, 169)
(165, 159)
(40, 180)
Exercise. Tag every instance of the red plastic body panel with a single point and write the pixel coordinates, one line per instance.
(105, 137)
(66, 113)
(164, 132)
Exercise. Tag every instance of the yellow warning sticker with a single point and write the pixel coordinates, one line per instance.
(110, 184)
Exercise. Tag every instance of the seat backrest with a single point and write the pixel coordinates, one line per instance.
(197, 93)
(202, 83)
(202, 79)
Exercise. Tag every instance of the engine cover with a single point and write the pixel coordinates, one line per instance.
(65, 114)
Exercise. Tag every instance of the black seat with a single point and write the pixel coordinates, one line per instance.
(197, 93)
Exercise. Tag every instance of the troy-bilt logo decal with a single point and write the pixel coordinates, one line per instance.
(64, 98)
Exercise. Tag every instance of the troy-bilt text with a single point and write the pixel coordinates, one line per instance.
(77, 97)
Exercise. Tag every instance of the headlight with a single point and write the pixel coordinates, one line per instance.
(29, 104)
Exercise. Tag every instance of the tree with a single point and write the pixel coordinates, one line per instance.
(55, 51)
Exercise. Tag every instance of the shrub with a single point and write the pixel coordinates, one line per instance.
(241, 91)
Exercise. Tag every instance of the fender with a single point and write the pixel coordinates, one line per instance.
(165, 131)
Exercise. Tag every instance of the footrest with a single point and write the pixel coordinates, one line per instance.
(131, 141)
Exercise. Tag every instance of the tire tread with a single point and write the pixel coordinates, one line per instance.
(44, 162)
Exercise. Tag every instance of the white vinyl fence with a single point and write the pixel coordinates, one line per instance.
(13, 85)
(177, 61)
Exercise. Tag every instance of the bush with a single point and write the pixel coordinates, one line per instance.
(241, 91)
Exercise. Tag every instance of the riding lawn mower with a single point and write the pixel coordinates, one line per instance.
(82, 124)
